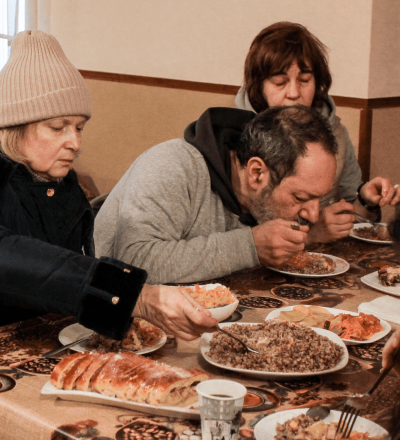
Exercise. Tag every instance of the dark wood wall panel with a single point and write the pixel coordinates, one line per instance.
(161, 82)
(364, 143)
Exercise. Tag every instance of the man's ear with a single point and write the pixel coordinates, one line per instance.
(257, 173)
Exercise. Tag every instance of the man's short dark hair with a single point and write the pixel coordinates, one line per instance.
(279, 136)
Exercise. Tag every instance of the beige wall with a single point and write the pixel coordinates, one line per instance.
(128, 119)
(384, 76)
(205, 40)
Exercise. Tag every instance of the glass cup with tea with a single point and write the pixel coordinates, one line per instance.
(221, 403)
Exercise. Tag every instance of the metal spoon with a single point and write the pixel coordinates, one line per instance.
(246, 348)
(318, 412)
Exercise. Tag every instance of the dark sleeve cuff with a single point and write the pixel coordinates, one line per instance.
(109, 297)
(374, 209)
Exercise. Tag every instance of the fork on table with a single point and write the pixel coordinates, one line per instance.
(355, 404)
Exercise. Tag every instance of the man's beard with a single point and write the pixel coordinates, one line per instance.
(263, 210)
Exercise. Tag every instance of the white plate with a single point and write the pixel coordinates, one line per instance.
(190, 412)
(386, 326)
(76, 331)
(372, 280)
(363, 225)
(341, 267)
(205, 347)
(266, 427)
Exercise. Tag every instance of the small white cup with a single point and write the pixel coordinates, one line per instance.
(221, 403)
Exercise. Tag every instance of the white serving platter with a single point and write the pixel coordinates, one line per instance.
(205, 347)
(190, 412)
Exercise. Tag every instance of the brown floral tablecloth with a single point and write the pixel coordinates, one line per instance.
(27, 414)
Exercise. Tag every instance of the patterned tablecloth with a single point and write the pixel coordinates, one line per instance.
(27, 414)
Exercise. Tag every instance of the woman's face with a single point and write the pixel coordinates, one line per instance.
(51, 146)
(290, 88)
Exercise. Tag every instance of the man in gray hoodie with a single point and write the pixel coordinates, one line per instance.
(237, 192)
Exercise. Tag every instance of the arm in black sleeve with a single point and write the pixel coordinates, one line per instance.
(40, 276)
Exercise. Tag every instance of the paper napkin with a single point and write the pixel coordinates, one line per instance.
(385, 307)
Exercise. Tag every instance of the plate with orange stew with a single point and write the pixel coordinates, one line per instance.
(353, 328)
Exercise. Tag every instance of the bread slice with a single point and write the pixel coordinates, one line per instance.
(58, 374)
(98, 361)
(76, 372)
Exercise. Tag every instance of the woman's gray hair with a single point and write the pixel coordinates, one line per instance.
(10, 141)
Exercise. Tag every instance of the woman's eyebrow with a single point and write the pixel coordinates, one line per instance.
(279, 73)
(67, 121)
(306, 70)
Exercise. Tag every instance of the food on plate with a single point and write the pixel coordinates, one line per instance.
(389, 275)
(369, 233)
(361, 327)
(128, 376)
(211, 298)
(308, 263)
(282, 347)
(303, 427)
(140, 335)
(312, 316)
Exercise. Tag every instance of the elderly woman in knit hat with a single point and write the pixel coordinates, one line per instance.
(287, 65)
(46, 223)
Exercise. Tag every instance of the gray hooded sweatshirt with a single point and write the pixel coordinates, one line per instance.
(174, 213)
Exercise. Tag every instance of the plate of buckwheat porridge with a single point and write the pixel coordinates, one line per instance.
(285, 350)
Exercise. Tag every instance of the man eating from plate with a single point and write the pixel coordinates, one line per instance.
(237, 192)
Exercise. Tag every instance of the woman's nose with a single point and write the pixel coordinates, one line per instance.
(74, 140)
(293, 90)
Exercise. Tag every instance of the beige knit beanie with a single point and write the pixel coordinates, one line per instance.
(39, 82)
